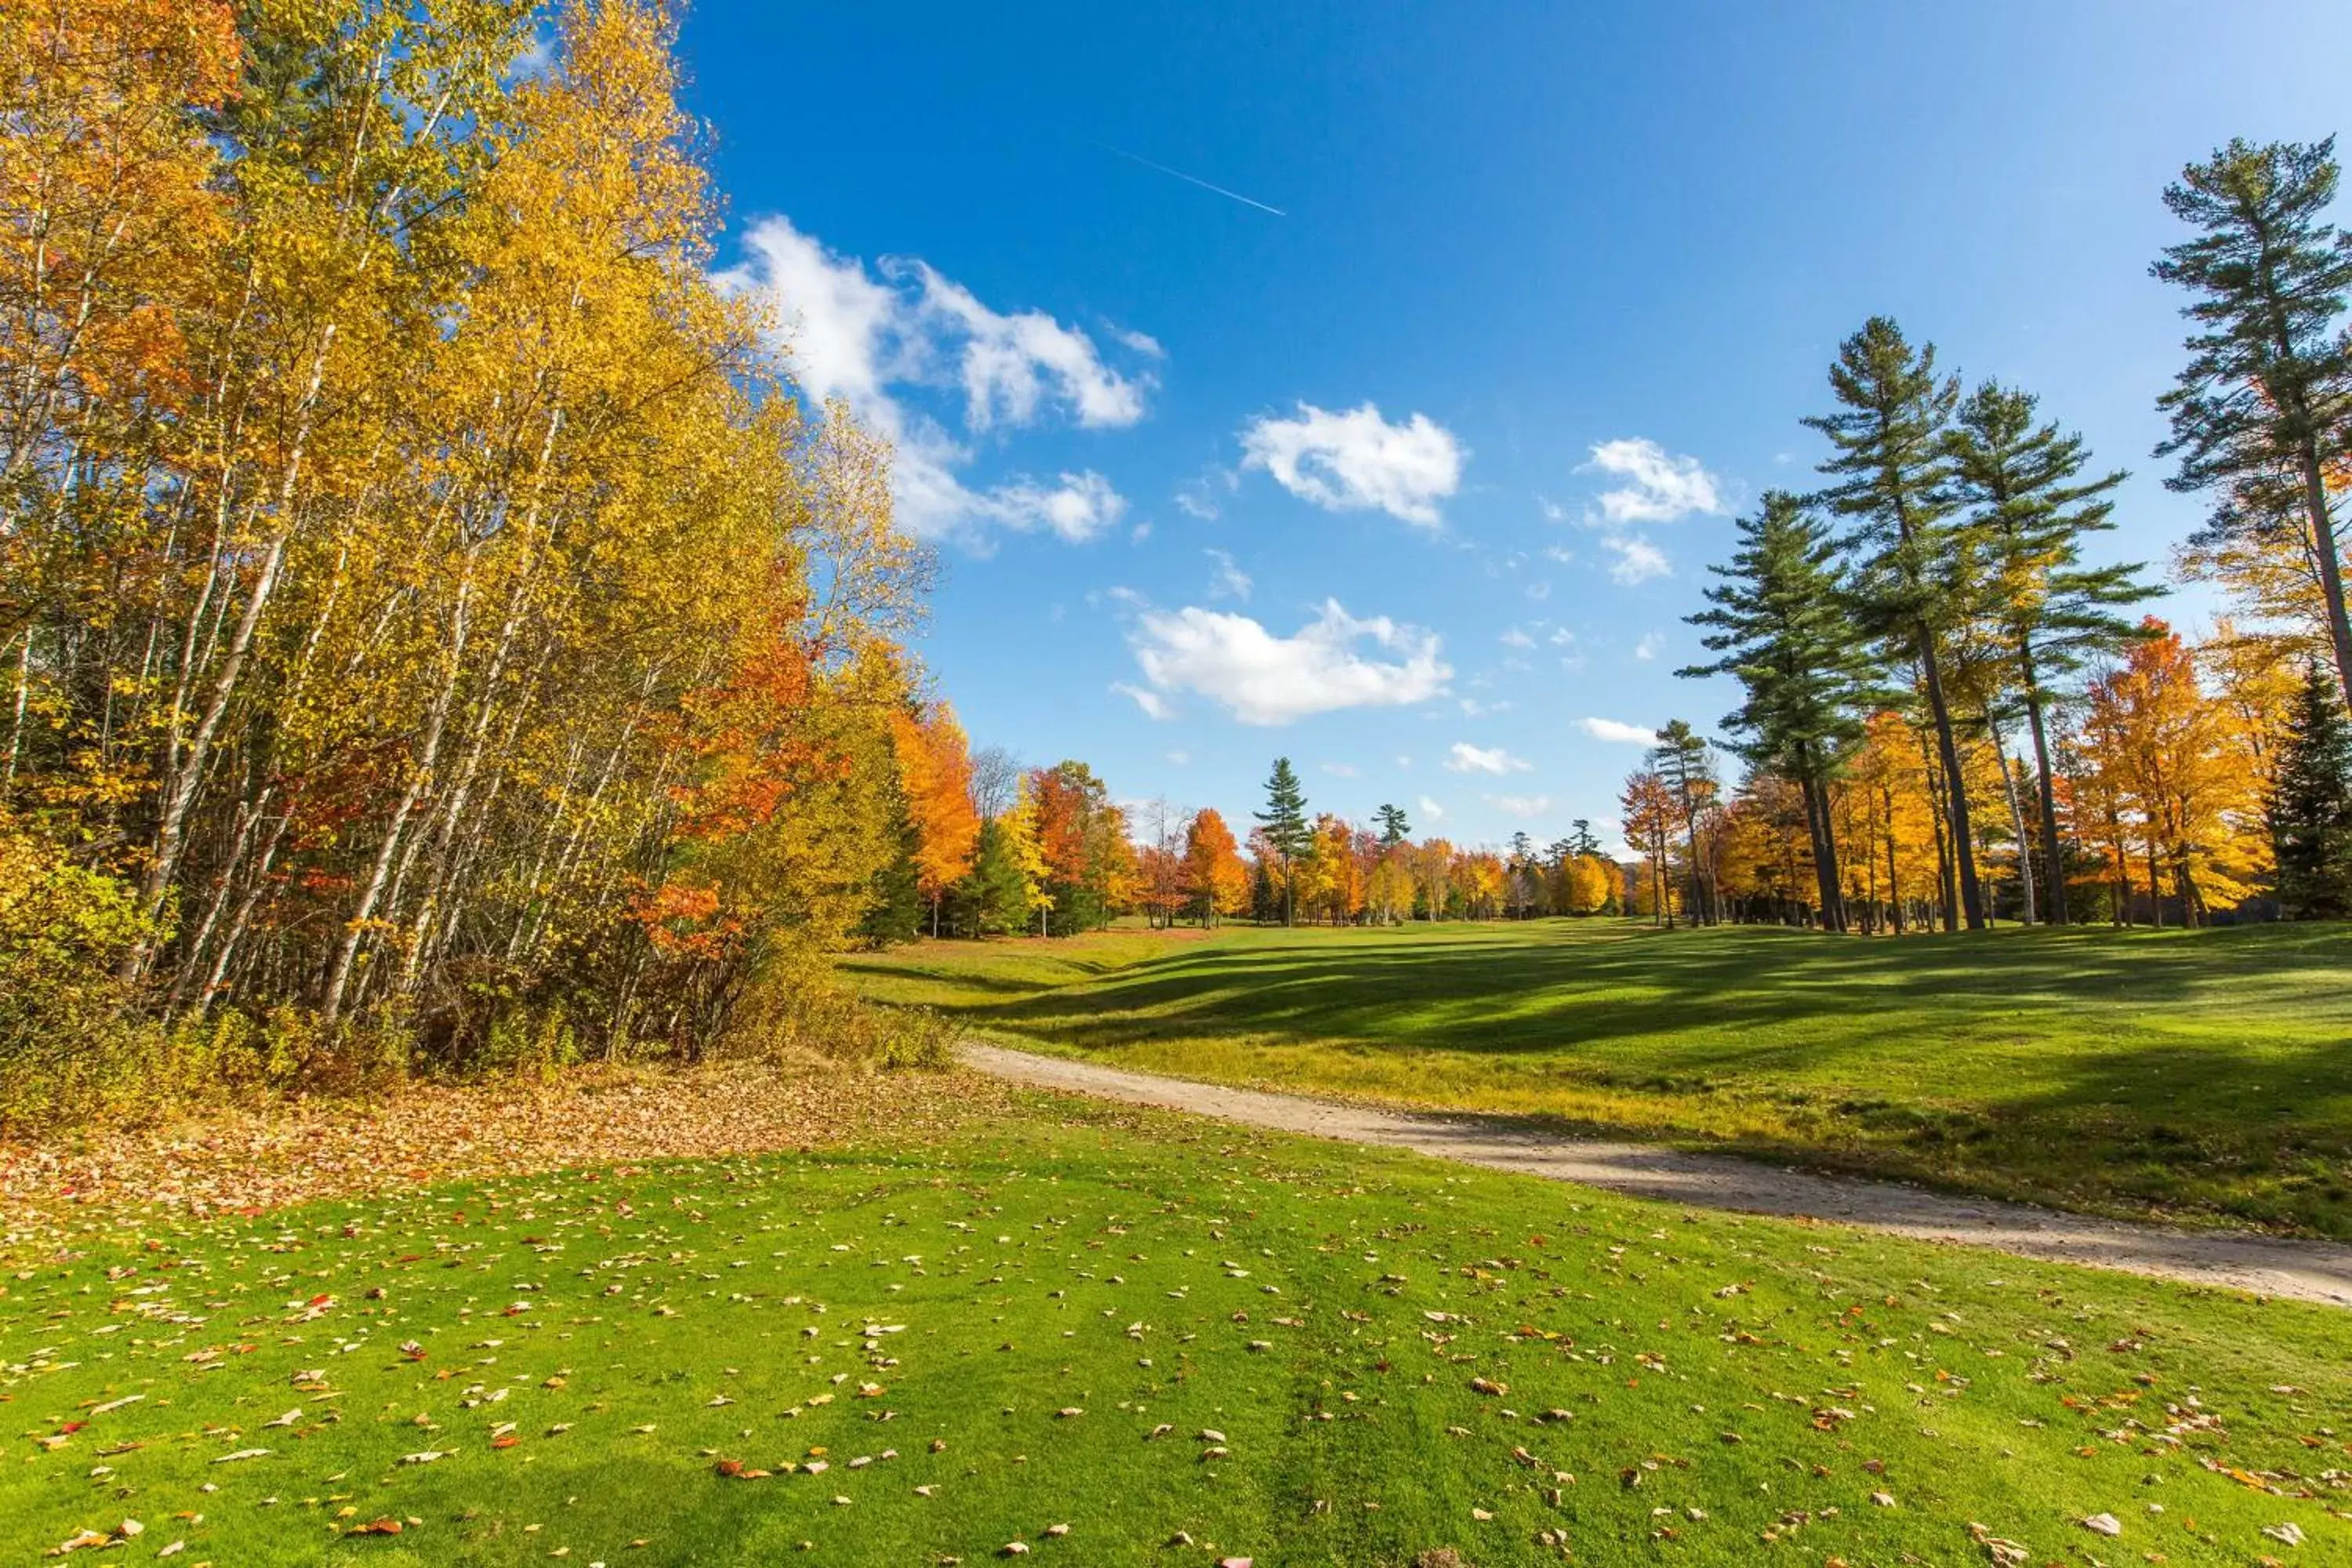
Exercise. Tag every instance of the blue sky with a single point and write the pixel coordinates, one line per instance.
(1415, 480)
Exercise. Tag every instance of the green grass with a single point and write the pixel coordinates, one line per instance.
(1720, 1382)
(2206, 1074)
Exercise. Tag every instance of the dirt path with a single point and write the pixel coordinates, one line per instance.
(2303, 1270)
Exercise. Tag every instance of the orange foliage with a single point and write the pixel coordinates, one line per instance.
(935, 775)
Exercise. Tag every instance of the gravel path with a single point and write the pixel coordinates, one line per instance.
(2303, 1270)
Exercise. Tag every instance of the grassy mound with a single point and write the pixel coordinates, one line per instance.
(1180, 1342)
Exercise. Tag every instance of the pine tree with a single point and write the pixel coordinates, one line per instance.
(2260, 410)
(896, 913)
(1286, 827)
(2311, 805)
(995, 893)
(1892, 480)
(1394, 828)
(1581, 841)
(1785, 630)
(2030, 510)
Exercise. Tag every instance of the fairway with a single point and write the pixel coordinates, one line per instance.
(1179, 1341)
(2200, 1075)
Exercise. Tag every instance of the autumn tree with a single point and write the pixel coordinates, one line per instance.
(419, 586)
(1685, 768)
(1214, 875)
(1161, 883)
(2310, 805)
(1082, 837)
(1650, 816)
(2259, 412)
(1890, 473)
(2163, 756)
(935, 773)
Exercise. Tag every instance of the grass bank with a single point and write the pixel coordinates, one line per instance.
(1177, 1341)
(2200, 1075)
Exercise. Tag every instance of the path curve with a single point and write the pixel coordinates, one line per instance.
(2302, 1270)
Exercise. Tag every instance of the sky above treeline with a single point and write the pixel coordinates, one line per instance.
(1373, 384)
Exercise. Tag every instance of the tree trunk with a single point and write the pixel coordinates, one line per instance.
(1956, 799)
(1824, 843)
(2053, 860)
(2322, 538)
(1938, 785)
(2017, 823)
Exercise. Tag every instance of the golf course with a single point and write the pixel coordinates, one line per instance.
(2198, 1075)
(1015, 1325)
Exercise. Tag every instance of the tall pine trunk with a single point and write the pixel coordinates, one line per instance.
(2025, 880)
(2054, 864)
(1956, 794)
(1824, 842)
(2331, 570)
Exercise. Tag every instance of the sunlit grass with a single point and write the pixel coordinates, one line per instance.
(936, 1352)
(2203, 1074)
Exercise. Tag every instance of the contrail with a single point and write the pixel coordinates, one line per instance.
(1191, 179)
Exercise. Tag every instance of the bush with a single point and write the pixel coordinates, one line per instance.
(806, 1015)
(68, 1028)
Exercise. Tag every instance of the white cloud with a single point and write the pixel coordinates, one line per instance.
(1229, 581)
(1465, 758)
(1340, 770)
(1358, 461)
(1262, 678)
(1198, 497)
(1154, 706)
(872, 338)
(1637, 560)
(1431, 809)
(1515, 637)
(1659, 487)
(1612, 729)
(1523, 806)
(1180, 758)
(1648, 648)
(1010, 366)
(1080, 506)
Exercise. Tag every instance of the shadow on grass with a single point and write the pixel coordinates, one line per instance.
(2205, 1068)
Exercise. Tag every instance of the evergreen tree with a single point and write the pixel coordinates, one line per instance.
(2261, 409)
(896, 913)
(2311, 805)
(1681, 761)
(1893, 478)
(1286, 827)
(2030, 509)
(1785, 629)
(1265, 904)
(993, 897)
(1581, 841)
(1394, 828)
